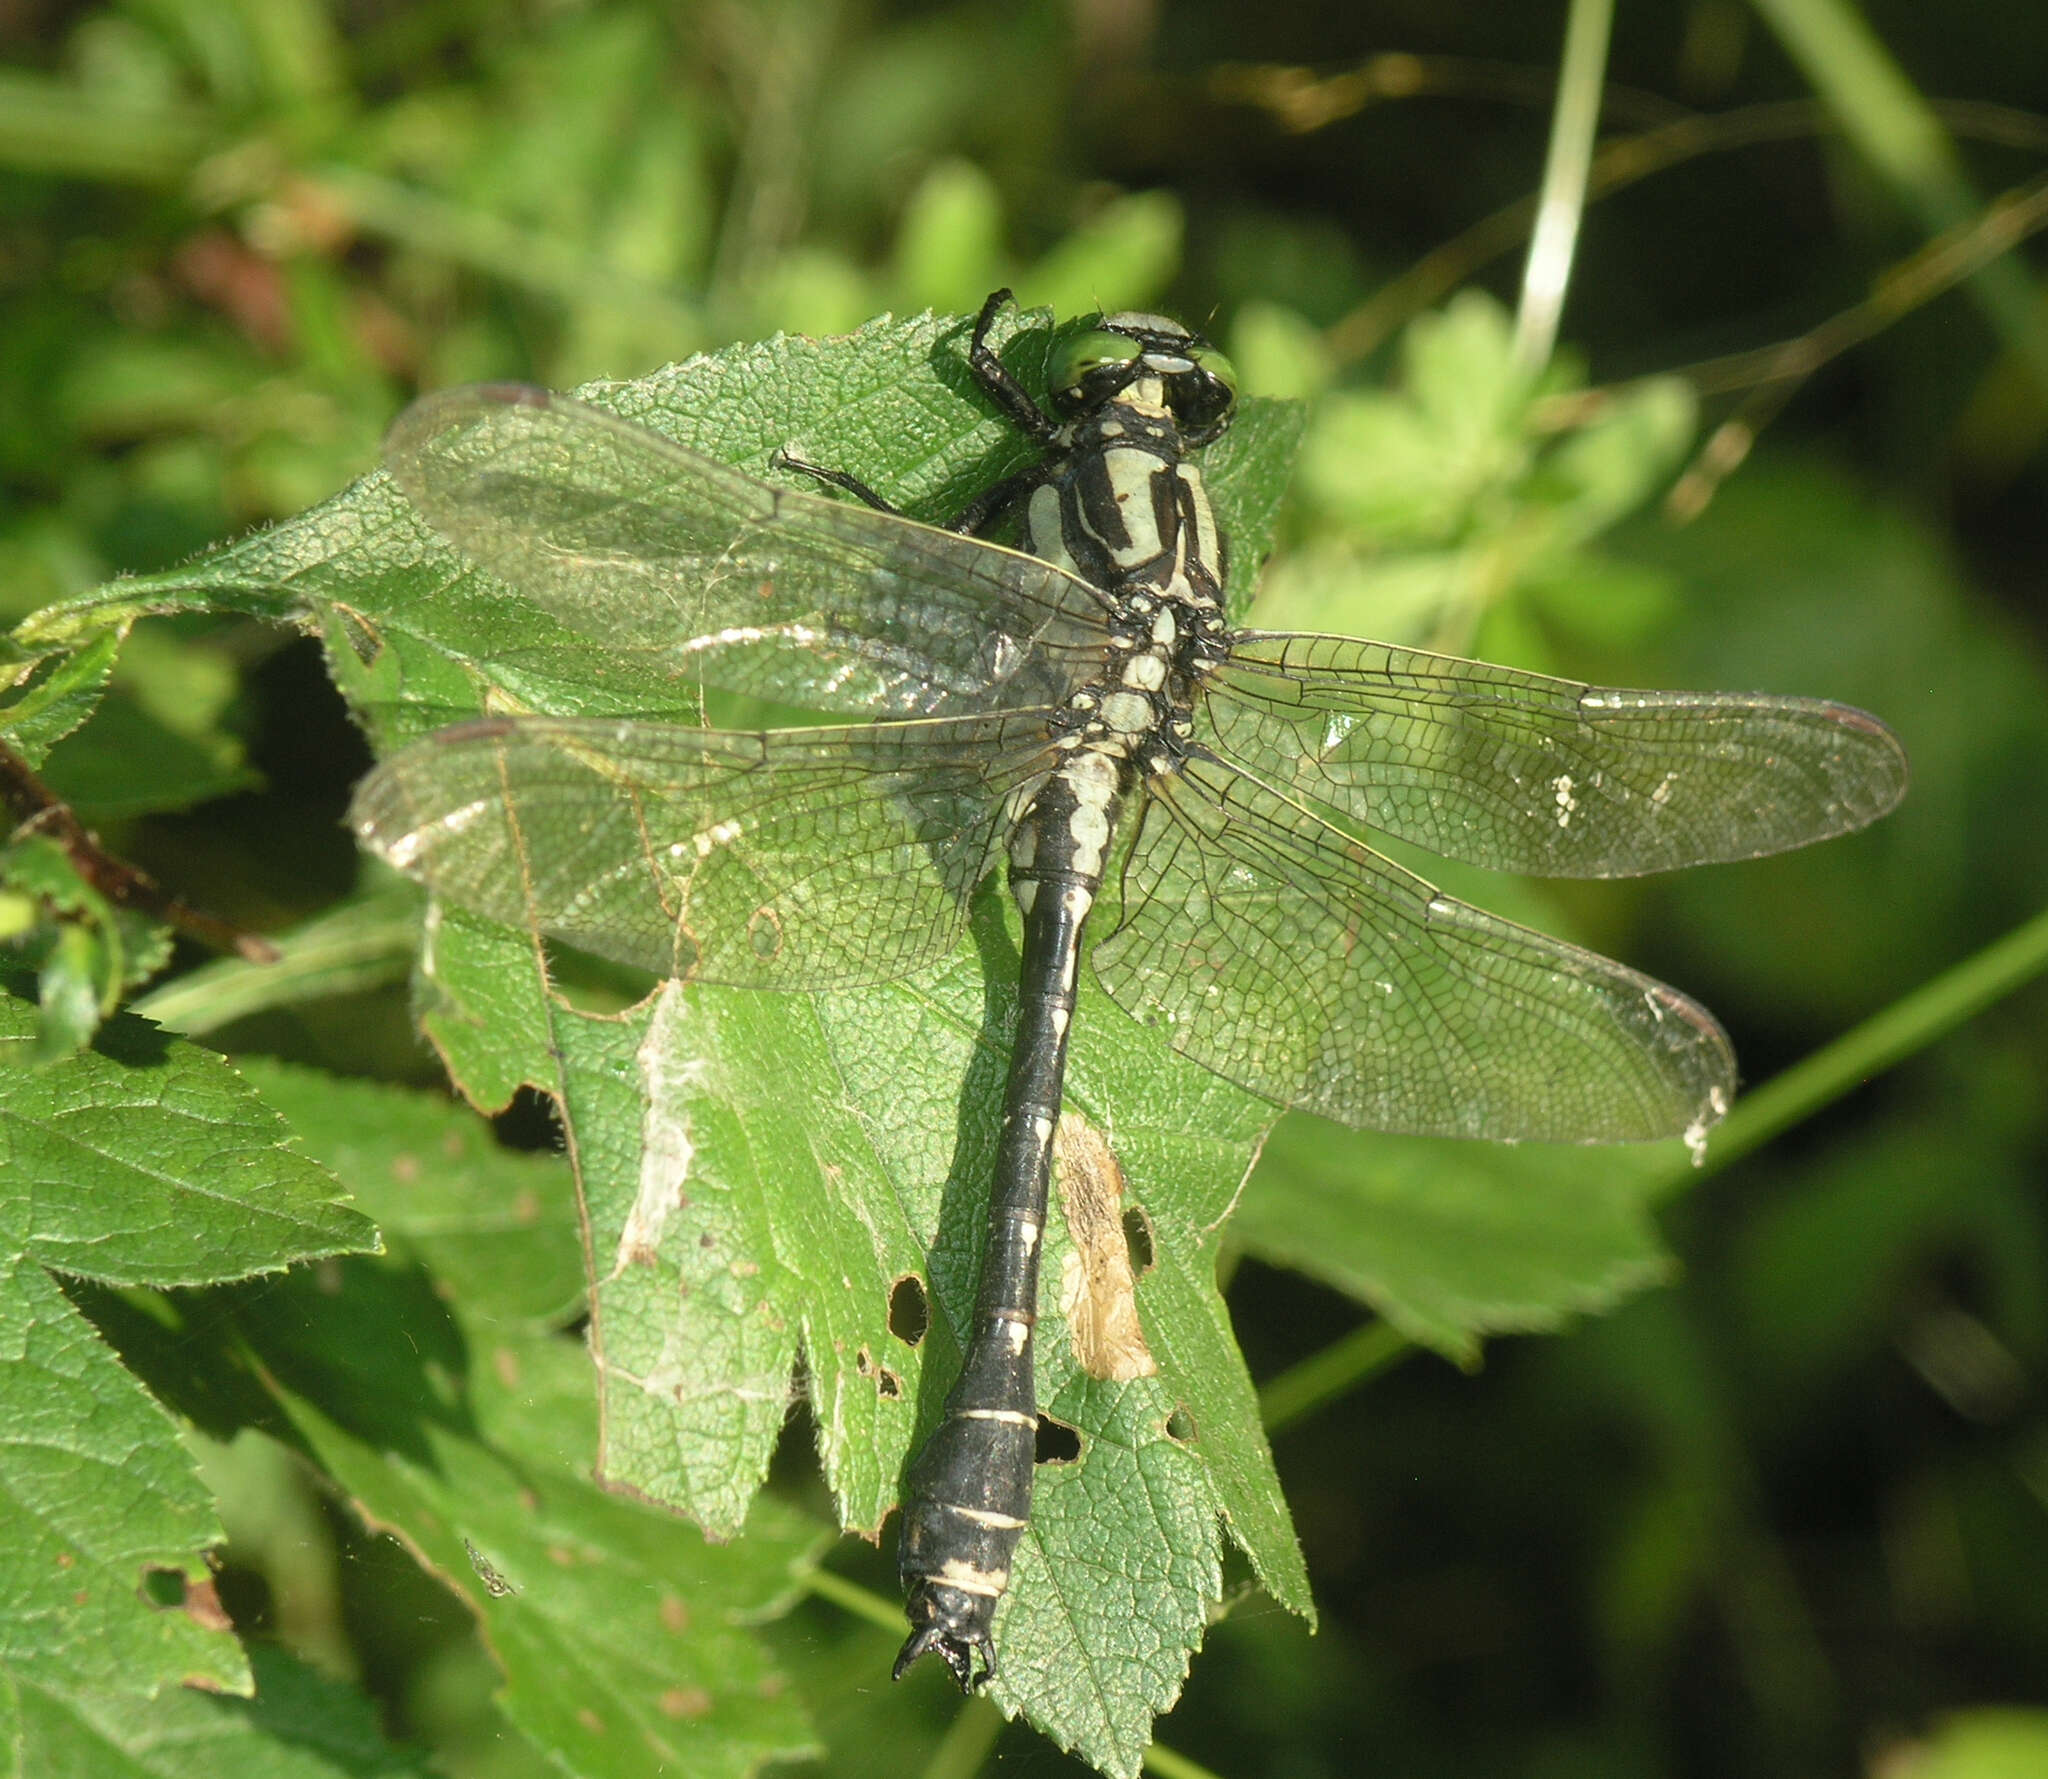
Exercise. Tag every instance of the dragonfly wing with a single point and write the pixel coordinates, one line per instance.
(1519, 772)
(628, 537)
(1300, 964)
(793, 858)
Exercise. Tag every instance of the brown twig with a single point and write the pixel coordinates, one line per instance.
(36, 809)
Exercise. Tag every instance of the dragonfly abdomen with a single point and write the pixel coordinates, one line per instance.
(969, 1494)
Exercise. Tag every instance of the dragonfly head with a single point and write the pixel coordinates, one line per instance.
(1090, 370)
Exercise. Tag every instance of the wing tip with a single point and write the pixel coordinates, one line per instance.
(1888, 770)
(1702, 1073)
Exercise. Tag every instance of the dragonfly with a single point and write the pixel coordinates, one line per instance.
(1082, 708)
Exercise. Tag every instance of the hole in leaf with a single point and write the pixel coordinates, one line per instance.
(163, 1587)
(528, 1124)
(910, 1311)
(887, 1384)
(1180, 1427)
(1138, 1239)
(590, 983)
(1057, 1442)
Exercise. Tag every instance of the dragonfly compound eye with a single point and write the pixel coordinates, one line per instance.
(1091, 365)
(1202, 398)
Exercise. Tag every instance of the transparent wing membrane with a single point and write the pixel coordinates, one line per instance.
(1269, 944)
(1518, 772)
(627, 537)
(793, 858)
(1303, 966)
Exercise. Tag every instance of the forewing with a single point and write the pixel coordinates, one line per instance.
(794, 858)
(1519, 772)
(627, 537)
(1303, 966)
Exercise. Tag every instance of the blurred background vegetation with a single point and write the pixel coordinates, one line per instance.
(1787, 1514)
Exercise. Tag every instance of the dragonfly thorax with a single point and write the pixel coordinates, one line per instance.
(1126, 512)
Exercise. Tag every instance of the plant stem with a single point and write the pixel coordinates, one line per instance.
(1908, 1025)
(850, 1596)
(1902, 138)
(1321, 1377)
(1169, 1765)
(969, 1739)
(1562, 202)
(1922, 1018)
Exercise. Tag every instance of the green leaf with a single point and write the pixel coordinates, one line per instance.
(1246, 472)
(96, 1496)
(483, 1005)
(1990, 1742)
(68, 992)
(1115, 1580)
(495, 1226)
(1453, 1241)
(1279, 351)
(734, 1223)
(1439, 499)
(84, 949)
(146, 1160)
(68, 691)
(622, 1633)
(1122, 257)
(1410, 466)
(950, 235)
(730, 1223)
(141, 1160)
(41, 867)
(300, 1725)
(158, 742)
(1623, 455)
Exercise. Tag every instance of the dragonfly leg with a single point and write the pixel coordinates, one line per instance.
(1003, 389)
(992, 503)
(835, 478)
(971, 521)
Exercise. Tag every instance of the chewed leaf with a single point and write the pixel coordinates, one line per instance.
(1097, 1287)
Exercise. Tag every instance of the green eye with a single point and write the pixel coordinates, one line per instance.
(1074, 361)
(1217, 366)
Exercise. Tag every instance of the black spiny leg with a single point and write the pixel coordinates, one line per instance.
(989, 506)
(835, 478)
(976, 516)
(1003, 389)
